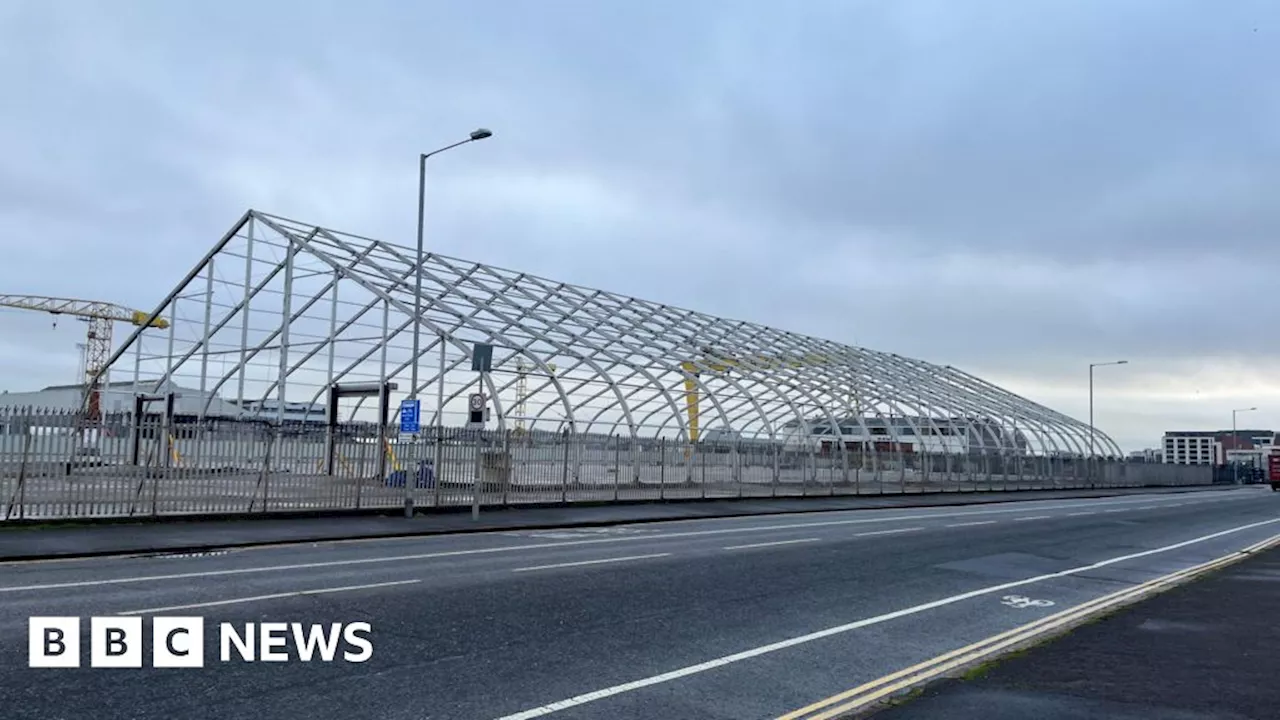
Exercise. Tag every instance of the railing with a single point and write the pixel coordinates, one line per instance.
(53, 467)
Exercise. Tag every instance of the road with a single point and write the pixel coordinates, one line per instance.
(748, 617)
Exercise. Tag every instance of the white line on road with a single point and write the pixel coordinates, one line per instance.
(1091, 512)
(771, 544)
(1033, 517)
(589, 562)
(1115, 510)
(1147, 507)
(971, 524)
(887, 532)
(274, 596)
(840, 629)
(533, 546)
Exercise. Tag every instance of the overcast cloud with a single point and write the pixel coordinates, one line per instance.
(1017, 188)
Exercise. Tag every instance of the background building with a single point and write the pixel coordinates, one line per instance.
(1148, 455)
(910, 434)
(1217, 447)
(189, 404)
(118, 398)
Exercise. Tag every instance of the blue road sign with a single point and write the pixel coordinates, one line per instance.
(409, 415)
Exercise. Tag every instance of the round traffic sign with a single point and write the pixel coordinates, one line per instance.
(477, 401)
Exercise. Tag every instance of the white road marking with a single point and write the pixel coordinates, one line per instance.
(589, 562)
(534, 546)
(1115, 510)
(840, 629)
(1147, 507)
(887, 532)
(971, 524)
(1022, 602)
(1033, 517)
(1091, 512)
(770, 544)
(274, 596)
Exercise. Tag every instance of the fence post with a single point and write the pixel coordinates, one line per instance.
(564, 473)
(264, 479)
(662, 468)
(478, 483)
(735, 468)
(844, 465)
(20, 492)
(439, 464)
(773, 484)
(359, 474)
(703, 482)
(579, 451)
(508, 465)
(161, 446)
(617, 465)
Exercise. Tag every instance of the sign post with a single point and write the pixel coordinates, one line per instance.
(478, 410)
(410, 415)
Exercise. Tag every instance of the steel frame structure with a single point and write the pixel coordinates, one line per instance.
(280, 311)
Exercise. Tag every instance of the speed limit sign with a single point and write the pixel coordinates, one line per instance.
(477, 401)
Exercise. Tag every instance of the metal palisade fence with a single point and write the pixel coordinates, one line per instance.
(54, 465)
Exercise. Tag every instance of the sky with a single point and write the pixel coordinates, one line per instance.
(1016, 188)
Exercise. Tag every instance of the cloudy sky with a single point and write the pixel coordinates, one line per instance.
(1018, 188)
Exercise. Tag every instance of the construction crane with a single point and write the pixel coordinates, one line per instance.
(522, 390)
(100, 316)
(522, 393)
(719, 363)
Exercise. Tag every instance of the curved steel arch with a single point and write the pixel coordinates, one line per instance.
(620, 360)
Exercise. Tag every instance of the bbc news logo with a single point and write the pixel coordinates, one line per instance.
(179, 642)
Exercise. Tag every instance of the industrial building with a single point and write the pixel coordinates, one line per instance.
(118, 398)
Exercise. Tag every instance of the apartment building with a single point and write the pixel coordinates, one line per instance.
(1214, 447)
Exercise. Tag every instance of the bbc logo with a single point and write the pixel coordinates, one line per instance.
(179, 642)
(115, 642)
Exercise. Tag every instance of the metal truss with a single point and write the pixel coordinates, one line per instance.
(280, 311)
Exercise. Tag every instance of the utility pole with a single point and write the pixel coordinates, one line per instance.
(1092, 431)
(419, 257)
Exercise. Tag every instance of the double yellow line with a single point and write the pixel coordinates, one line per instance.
(864, 695)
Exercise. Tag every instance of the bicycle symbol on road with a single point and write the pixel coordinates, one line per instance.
(1020, 601)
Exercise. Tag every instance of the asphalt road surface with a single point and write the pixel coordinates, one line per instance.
(736, 618)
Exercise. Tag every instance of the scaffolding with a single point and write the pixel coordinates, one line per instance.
(280, 312)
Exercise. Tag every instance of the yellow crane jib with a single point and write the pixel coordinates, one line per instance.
(717, 362)
(100, 316)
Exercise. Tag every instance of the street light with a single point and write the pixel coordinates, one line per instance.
(477, 134)
(1091, 430)
(1235, 466)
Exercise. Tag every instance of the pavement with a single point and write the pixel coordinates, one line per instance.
(718, 619)
(20, 541)
(1207, 650)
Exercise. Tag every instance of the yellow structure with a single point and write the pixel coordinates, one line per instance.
(100, 316)
(718, 363)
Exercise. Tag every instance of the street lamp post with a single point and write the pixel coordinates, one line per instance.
(1235, 466)
(478, 134)
(1091, 429)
